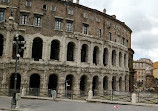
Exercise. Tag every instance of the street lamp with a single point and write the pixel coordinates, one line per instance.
(18, 49)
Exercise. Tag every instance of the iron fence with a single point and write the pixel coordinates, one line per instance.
(145, 97)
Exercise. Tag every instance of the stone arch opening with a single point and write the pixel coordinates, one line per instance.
(69, 85)
(95, 85)
(34, 84)
(125, 60)
(126, 79)
(84, 53)
(70, 51)
(12, 83)
(120, 59)
(83, 82)
(96, 55)
(69, 81)
(105, 57)
(1, 44)
(120, 84)
(53, 82)
(37, 49)
(55, 50)
(105, 83)
(20, 52)
(113, 58)
(114, 83)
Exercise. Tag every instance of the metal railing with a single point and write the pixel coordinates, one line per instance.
(145, 97)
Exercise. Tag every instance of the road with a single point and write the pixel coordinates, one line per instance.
(48, 105)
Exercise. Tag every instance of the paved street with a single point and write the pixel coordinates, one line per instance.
(48, 105)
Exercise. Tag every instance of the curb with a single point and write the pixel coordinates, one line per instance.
(121, 103)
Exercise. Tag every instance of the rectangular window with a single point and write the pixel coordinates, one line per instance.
(85, 28)
(123, 41)
(127, 43)
(85, 15)
(28, 3)
(70, 11)
(53, 8)
(24, 19)
(44, 7)
(37, 21)
(58, 24)
(6, 1)
(99, 32)
(110, 36)
(1, 15)
(69, 26)
(118, 39)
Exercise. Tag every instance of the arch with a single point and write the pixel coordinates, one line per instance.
(96, 55)
(53, 83)
(113, 58)
(55, 50)
(69, 81)
(34, 84)
(120, 59)
(83, 82)
(1, 44)
(12, 83)
(95, 85)
(20, 52)
(126, 81)
(105, 57)
(84, 53)
(70, 51)
(37, 49)
(120, 84)
(125, 59)
(114, 83)
(105, 83)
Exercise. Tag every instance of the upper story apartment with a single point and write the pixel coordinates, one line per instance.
(58, 17)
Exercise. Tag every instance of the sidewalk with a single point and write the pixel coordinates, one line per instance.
(6, 106)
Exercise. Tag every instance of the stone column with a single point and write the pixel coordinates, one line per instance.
(4, 85)
(45, 51)
(78, 54)
(117, 57)
(109, 57)
(110, 83)
(44, 84)
(76, 86)
(117, 84)
(8, 45)
(61, 86)
(28, 46)
(5, 45)
(123, 85)
(91, 55)
(101, 56)
(101, 90)
(63, 50)
(127, 83)
(24, 84)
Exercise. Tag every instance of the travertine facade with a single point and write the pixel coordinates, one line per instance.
(142, 67)
(65, 43)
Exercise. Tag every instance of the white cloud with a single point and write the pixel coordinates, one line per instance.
(141, 16)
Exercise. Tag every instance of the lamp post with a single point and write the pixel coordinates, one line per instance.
(18, 49)
(13, 103)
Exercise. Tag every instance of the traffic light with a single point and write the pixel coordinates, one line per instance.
(19, 44)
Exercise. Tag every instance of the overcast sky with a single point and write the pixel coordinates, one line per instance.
(141, 16)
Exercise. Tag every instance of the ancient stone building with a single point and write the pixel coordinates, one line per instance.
(65, 43)
(142, 67)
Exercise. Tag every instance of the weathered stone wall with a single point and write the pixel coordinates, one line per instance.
(45, 67)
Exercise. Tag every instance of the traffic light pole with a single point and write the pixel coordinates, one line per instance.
(14, 102)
